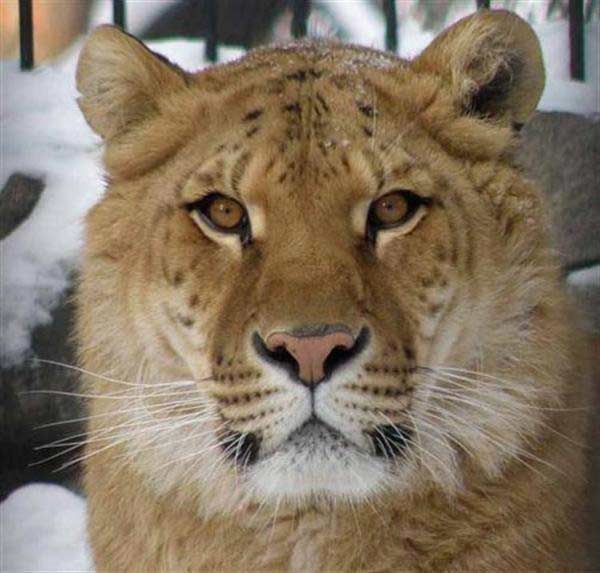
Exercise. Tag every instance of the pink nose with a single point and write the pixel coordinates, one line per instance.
(310, 352)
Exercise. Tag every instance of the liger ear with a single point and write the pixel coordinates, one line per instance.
(493, 62)
(121, 81)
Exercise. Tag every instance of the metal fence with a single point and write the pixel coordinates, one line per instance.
(301, 11)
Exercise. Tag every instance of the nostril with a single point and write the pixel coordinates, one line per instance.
(310, 351)
(281, 355)
(311, 359)
(338, 356)
(278, 355)
(341, 354)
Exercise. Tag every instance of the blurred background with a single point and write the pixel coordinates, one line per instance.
(50, 172)
(247, 23)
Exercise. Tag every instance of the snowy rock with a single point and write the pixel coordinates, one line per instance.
(44, 529)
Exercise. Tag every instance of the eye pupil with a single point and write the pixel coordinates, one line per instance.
(222, 214)
(225, 213)
(395, 209)
(390, 208)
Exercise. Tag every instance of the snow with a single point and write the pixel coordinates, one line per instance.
(43, 133)
(561, 93)
(588, 277)
(43, 528)
(139, 14)
(357, 21)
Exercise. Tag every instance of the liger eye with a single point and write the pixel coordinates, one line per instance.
(393, 210)
(223, 214)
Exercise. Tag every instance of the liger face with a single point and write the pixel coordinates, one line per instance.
(311, 259)
(329, 271)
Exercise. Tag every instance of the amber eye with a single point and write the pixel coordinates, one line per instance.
(223, 214)
(392, 210)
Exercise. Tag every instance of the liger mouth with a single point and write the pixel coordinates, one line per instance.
(387, 441)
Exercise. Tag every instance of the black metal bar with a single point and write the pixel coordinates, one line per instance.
(212, 36)
(300, 18)
(591, 6)
(119, 14)
(483, 4)
(26, 33)
(391, 25)
(576, 39)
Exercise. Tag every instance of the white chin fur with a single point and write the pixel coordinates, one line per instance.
(317, 464)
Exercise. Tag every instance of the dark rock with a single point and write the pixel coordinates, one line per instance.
(23, 410)
(17, 200)
(561, 151)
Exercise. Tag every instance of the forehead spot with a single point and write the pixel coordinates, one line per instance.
(345, 162)
(298, 76)
(366, 110)
(254, 114)
(293, 107)
(401, 170)
(270, 165)
(323, 103)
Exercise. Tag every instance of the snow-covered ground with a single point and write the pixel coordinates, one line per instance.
(43, 528)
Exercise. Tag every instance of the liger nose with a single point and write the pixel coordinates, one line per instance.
(314, 356)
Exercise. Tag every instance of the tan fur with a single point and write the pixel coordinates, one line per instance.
(306, 136)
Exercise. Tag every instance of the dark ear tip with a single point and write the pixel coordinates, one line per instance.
(494, 94)
(493, 63)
